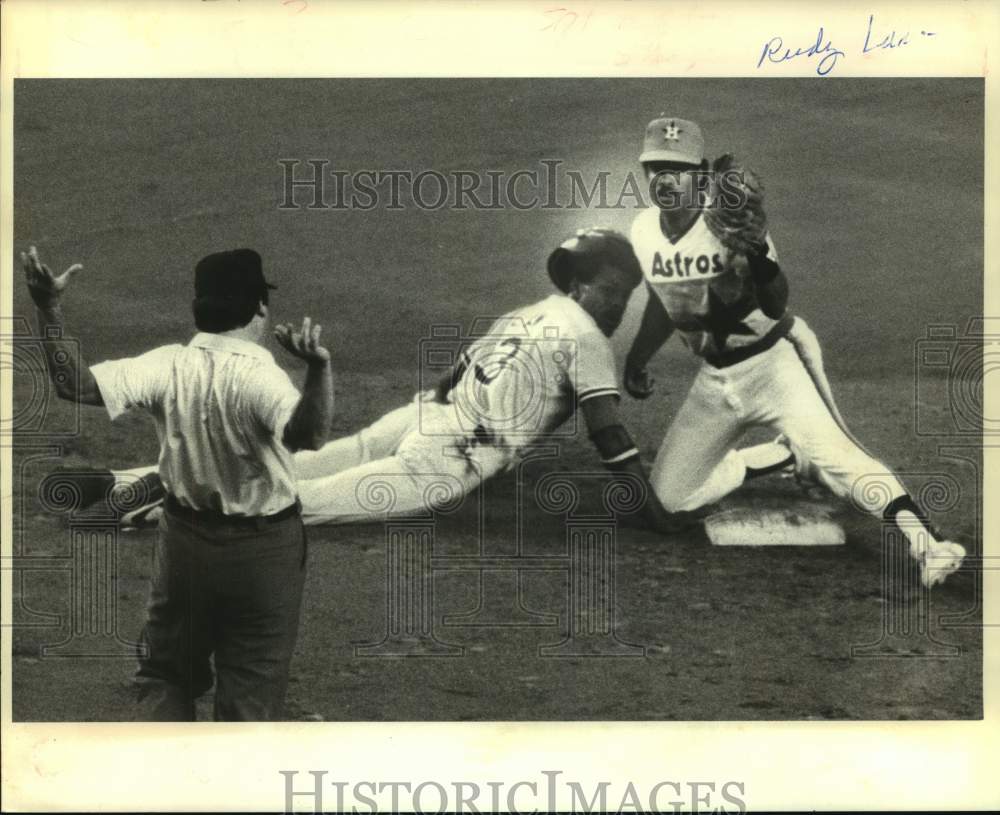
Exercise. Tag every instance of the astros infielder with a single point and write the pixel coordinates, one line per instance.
(760, 364)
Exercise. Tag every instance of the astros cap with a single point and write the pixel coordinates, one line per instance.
(671, 139)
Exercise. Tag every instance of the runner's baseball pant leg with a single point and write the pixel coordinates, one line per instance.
(433, 465)
(379, 440)
(369, 492)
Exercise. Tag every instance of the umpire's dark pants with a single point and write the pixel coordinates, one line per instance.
(232, 589)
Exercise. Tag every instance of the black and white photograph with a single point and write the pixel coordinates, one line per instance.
(497, 399)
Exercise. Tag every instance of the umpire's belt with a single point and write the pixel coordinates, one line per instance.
(209, 517)
(744, 352)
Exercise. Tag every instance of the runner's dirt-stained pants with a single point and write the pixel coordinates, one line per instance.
(413, 458)
(783, 388)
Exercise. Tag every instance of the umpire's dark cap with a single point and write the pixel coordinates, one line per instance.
(234, 275)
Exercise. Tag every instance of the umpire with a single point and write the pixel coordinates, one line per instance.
(230, 554)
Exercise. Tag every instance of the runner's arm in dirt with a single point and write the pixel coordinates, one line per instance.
(619, 454)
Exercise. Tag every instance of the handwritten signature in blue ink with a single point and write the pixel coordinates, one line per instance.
(775, 51)
(890, 40)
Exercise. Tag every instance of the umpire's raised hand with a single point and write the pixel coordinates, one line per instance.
(310, 424)
(46, 287)
(305, 343)
(71, 376)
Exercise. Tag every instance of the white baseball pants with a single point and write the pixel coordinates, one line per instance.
(408, 461)
(783, 389)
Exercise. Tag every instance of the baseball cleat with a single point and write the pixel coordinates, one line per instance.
(149, 490)
(770, 457)
(938, 561)
(100, 492)
(145, 517)
(800, 471)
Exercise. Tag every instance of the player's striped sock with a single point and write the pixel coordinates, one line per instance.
(910, 519)
(938, 558)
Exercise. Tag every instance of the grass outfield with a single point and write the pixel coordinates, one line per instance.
(875, 203)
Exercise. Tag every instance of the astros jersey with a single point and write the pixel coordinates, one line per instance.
(705, 291)
(525, 376)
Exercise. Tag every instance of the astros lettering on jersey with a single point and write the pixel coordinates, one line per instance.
(704, 288)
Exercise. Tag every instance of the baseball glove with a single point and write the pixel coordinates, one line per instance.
(735, 213)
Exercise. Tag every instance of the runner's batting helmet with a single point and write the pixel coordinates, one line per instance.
(582, 257)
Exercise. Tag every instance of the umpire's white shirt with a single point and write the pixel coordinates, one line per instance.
(220, 405)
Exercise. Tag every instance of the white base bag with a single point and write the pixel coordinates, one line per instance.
(795, 525)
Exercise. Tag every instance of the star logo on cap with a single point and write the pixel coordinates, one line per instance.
(671, 132)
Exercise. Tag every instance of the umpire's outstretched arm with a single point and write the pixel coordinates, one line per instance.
(70, 375)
